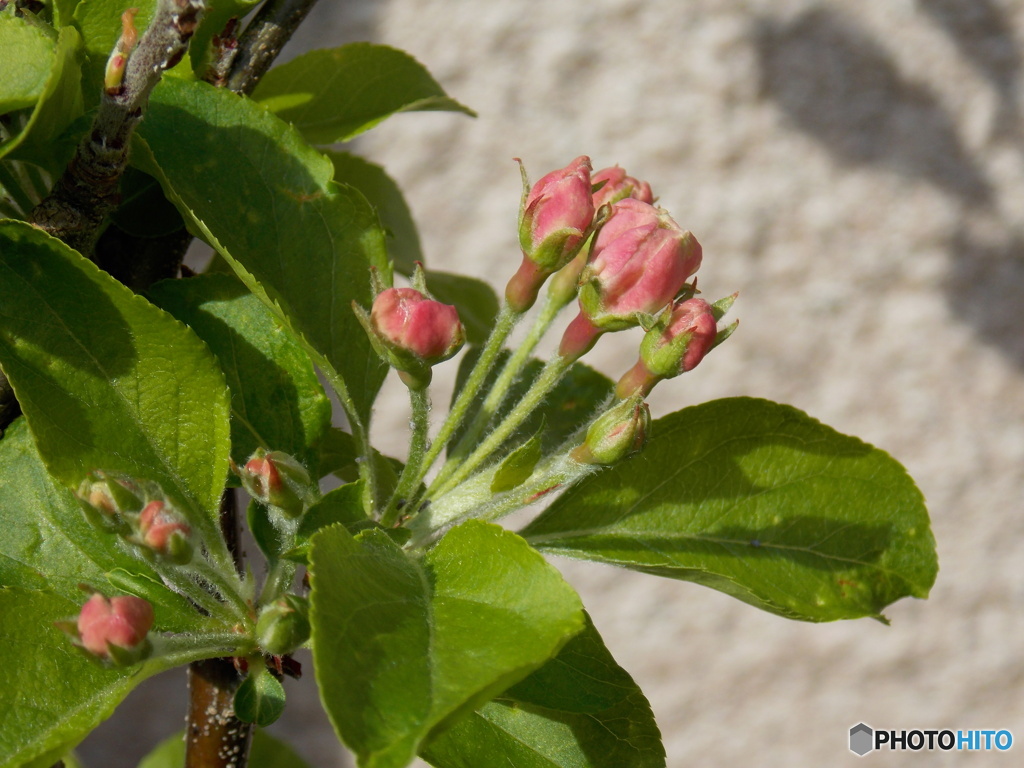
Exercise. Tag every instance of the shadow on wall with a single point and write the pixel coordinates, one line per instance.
(838, 85)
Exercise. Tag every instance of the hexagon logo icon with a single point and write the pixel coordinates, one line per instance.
(861, 739)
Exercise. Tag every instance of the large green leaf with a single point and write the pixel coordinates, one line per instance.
(107, 380)
(403, 644)
(580, 710)
(387, 199)
(28, 56)
(277, 401)
(48, 545)
(51, 695)
(335, 94)
(760, 501)
(266, 201)
(55, 107)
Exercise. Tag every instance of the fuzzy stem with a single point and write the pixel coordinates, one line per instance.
(511, 370)
(417, 448)
(214, 737)
(550, 375)
(503, 325)
(87, 191)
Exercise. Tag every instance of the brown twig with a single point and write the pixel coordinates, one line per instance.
(87, 192)
(214, 737)
(264, 37)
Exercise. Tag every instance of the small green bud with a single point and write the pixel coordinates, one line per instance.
(617, 434)
(277, 480)
(283, 625)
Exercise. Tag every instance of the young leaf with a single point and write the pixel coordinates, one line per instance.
(260, 697)
(301, 243)
(277, 402)
(340, 506)
(517, 467)
(51, 695)
(335, 94)
(403, 644)
(108, 381)
(760, 501)
(475, 300)
(48, 545)
(579, 709)
(384, 195)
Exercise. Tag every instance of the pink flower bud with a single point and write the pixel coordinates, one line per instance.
(680, 339)
(410, 322)
(122, 622)
(619, 186)
(640, 261)
(164, 531)
(276, 479)
(553, 223)
(616, 434)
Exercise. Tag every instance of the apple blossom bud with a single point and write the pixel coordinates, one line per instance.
(553, 224)
(618, 186)
(163, 531)
(109, 495)
(640, 261)
(277, 480)
(283, 625)
(412, 332)
(616, 434)
(675, 344)
(115, 629)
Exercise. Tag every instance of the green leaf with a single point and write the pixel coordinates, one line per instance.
(99, 21)
(28, 57)
(143, 210)
(58, 104)
(213, 21)
(517, 466)
(266, 752)
(760, 501)
(63, 12)
(384, 195)
(402, 645)
(277, 402)
(301, 243)
(108, 381)
(570, 406)
(580, 710)
(338, 454)
(260, 697)
(475, 300)
(342, 505)
(51, 695)
(335, 94)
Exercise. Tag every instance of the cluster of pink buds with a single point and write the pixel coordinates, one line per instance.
(411, 331)
(140, 512)
(114, 630)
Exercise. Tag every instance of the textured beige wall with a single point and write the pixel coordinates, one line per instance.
(856, 170)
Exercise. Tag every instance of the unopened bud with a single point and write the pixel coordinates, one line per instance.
(116, 629)
(276, 479)
(163, 531)
(109, 495)
(553, 224)
(615, 185)
(283, 625)
(616, 434)
(412, 332)
(640, 262)
(113, 77)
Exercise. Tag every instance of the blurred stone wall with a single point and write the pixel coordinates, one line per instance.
(856, 171)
